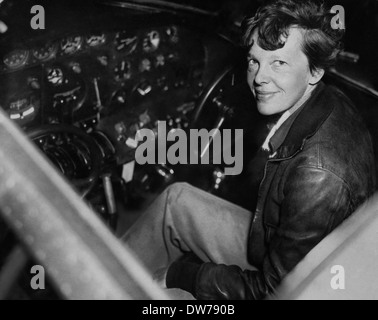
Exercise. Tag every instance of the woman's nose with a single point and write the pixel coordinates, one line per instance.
(262, 75)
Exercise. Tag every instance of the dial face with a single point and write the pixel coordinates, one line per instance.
(19, 106)
(123, 71)
(172, 33)
(145, 65)
(103, 59)
(151, 42)
(96, 40)
(46, 52)
(24, 109)
(125, 43)
(55, 76)
(16, 59)
(160, 61)
(71, 44)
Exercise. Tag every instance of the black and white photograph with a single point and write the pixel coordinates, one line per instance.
(181, 152)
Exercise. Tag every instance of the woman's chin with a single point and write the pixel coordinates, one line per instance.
(270, 109)
(265, 109)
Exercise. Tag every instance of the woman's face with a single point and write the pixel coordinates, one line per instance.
(279, 79)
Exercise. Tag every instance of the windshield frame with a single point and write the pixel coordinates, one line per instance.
(161, 4)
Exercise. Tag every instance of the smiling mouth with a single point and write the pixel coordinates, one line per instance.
(264, 95)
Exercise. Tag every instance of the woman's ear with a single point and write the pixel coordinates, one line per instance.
(316, 76)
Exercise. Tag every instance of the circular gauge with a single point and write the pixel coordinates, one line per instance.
(55, 76)
(103, 59)
(46, 52)
(125, 43)
(145, 65)
(16, 59)
(172, 33)
(160, 61)
(151, 42)
(71, 45)
(123, 71)
(96, 40)
(24, 108)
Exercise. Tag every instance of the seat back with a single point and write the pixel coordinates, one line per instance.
(343, 266)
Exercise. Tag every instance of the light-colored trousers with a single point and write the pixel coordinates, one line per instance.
(186, 219)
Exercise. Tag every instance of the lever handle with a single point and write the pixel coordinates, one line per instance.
(110, 201)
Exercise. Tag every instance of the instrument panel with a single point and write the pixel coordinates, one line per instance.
(123, 43)
(81, 78)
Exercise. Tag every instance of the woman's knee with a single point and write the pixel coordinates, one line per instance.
(180, 199)
(175, 190)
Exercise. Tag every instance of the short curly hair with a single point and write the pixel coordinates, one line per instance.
(273, 20)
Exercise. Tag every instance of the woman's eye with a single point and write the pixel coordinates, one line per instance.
(279, 63)
(252, 63)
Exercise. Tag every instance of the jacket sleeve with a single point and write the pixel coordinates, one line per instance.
(315, 201)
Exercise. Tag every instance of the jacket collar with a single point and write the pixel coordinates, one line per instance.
(304, 123)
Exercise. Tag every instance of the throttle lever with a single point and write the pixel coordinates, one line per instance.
(225, 111)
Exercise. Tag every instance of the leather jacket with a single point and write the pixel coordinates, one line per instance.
(321, 170)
